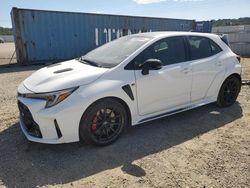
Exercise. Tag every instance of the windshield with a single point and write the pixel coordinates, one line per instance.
(113, 53)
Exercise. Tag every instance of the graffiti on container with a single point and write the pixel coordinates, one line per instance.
(107, 34)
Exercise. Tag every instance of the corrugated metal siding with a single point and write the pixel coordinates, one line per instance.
(50, 36)
(241, 49)
(228, 29)
(238, 36)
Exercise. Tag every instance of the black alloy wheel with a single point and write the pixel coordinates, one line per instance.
(229, 92)
(106, 123)
(103, 122)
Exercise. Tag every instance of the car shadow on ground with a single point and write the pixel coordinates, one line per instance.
(26, 164)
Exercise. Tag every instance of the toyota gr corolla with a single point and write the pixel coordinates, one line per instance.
(131, 80)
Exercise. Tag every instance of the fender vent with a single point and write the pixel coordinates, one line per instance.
(128, 91)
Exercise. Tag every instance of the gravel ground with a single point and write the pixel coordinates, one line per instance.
(205, 147)
(6, 52)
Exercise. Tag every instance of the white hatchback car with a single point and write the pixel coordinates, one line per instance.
(131, 80)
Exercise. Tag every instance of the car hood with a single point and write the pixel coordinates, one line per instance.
(63, 75)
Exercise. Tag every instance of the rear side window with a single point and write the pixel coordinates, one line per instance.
(202, 47)
(215, 48)
(199, 47)
(170, 51)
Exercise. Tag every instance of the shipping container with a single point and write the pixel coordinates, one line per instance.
(203, 26)
(50, 36)
(238, 36)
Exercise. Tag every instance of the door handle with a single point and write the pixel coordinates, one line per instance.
(219, 63)
(186, 70)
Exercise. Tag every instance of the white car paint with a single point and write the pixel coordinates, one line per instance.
(46, 80)
(153, 97)
(174, 88)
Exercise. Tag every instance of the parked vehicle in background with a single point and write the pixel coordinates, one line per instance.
(131, 80)
(1, 40)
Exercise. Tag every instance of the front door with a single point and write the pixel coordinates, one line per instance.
(169, 87)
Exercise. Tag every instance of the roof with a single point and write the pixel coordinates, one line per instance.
(173, 33)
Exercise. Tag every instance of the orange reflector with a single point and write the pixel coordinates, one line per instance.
(62, 97)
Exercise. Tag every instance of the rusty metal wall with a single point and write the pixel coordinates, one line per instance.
(52, 36)
(238, 36)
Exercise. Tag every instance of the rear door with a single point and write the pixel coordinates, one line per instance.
(206, 65)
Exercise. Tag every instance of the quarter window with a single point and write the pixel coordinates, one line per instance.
(215, 48)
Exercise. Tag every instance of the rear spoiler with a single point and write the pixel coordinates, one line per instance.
(224, 38)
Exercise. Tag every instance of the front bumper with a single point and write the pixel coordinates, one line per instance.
(38, 139)
(32, 130)
(27, 122)
(55, 125)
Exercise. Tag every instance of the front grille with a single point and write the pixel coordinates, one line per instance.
(29, 124)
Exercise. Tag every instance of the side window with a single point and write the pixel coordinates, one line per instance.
(170, 50)
(199, 47)
(215, 48)
(162, 46)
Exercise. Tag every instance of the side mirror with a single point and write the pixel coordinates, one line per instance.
(150, 64)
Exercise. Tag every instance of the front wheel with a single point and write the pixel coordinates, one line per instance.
(229, 92)
(103, 122)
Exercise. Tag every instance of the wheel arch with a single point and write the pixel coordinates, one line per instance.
(230, 76)
(238, 76)
(126, 107)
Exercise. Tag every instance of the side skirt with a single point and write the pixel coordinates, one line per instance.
(173, 112)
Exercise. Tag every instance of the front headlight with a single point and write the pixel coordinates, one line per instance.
(52, 98)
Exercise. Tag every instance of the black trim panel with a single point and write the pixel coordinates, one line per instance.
(162, 115)
(128, 91)
(58, 131)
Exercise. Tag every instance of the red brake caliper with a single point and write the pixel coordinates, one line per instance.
(94, 121)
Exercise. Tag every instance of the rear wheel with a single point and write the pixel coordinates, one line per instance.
(229, 92)
(103, 122)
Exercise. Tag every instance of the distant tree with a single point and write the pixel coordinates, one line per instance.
(227, 22)
(5, 31)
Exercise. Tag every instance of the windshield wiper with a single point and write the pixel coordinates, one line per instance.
(86, 61)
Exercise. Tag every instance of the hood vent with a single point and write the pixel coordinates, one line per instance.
(63, 70)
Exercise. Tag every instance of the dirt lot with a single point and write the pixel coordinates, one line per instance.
(205, 147)
(6, 52)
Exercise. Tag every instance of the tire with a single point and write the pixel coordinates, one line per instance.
(229, 92)
(103, 122)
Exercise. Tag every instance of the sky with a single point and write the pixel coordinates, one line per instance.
(199, 10)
